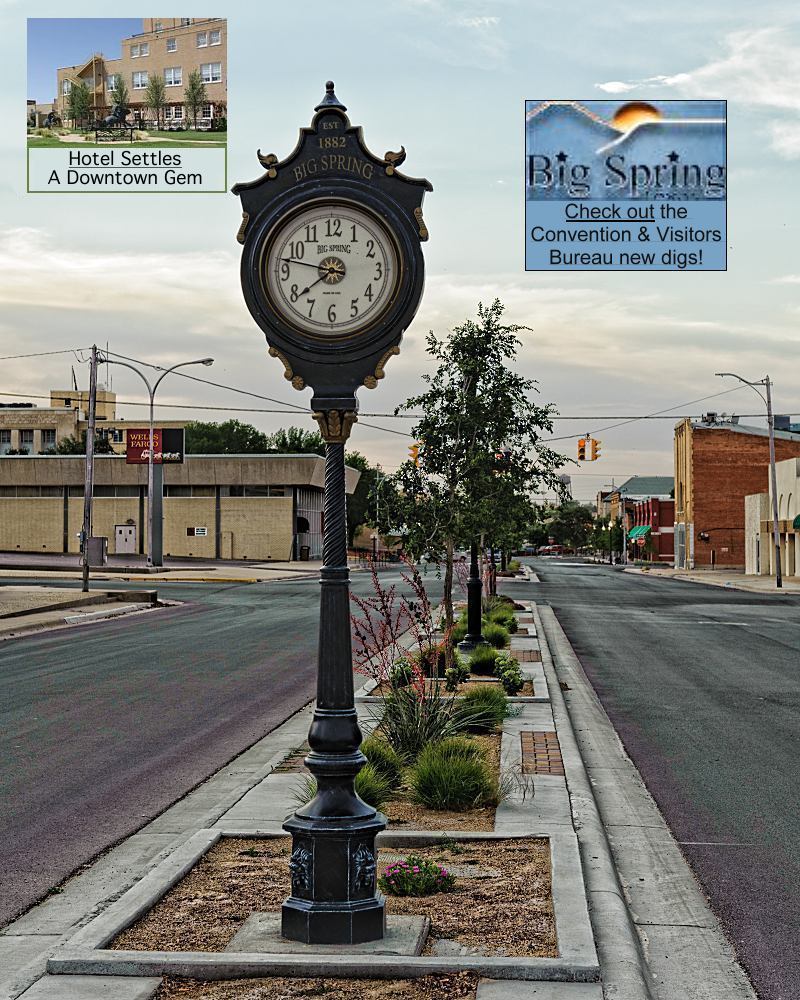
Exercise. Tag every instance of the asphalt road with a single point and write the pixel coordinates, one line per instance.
(104, 726)
(703, 686)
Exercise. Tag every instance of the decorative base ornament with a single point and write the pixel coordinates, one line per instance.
(332, 272)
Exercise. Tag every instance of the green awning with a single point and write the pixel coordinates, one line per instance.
(796, 523)
(639, 531)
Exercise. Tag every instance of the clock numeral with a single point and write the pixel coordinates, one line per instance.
(370, 248)
(354, 238)
(334, 227)
(297, 249)
(368, 293)
(378, 271)
(353, 308)
(293, 293)
(310, 306)
(284, 270)
(331, 314)
(311, 234)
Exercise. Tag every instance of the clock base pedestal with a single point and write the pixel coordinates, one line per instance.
(333, 897)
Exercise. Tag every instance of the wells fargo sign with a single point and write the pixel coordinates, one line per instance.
(167, 445)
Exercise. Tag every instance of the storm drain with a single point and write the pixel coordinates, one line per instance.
(541, 753)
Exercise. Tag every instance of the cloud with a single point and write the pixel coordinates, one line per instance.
(757, 68)
(786, 279)
(478, 22)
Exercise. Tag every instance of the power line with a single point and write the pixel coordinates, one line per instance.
(41, 354)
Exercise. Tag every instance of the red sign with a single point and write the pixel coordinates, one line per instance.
(167, 445)
(640, 542)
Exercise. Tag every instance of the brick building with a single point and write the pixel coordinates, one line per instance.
(717, 464)
(654, 523)
(171, 47)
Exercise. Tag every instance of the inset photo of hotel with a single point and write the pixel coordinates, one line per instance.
(147, 81)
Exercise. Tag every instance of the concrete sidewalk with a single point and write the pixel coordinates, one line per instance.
(29, 609)
(735, 579)
(173, 571)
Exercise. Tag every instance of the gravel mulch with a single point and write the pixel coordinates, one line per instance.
(460, 987)
(502, 907)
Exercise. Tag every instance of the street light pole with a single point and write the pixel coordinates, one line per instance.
(151, 391)
(88, 491)
(776, 538)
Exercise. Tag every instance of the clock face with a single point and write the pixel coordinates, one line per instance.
(331, 270)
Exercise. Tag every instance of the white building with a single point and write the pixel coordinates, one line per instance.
(759, 545)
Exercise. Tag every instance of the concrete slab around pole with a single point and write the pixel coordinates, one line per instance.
(261, 934)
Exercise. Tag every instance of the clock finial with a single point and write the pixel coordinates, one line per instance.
(330, 100)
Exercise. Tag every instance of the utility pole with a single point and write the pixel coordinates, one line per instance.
(774, 479)
(88, 483)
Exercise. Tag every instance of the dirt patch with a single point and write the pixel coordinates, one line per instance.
(501, 904)
(460, 987)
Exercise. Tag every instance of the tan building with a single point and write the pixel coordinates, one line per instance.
(717, 464)
(36, 430)
(758, 518)
(171, 47)
(264, 507)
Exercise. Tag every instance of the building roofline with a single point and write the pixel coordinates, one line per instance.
(701, 425)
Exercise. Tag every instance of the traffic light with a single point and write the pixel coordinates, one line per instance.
(581, 449)
(595, 449)
(413, 453)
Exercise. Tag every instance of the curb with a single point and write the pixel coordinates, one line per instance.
(625, 973)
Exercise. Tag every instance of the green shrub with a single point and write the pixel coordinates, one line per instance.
(481, 660)
(461, 746)
(459, 630)
(514, 565)
(401, 674)
(453, 775)
(371, 786)
(507, 669)
(415, 876)
(383, 759)
(503, 615)
(431, 661)
(484, 707)
(411, 720)
(496, 635)
(457, 673)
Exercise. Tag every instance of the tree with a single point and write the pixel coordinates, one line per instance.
(572, 524)
(231, 437)
(482, 456)
(296, 441)
(77, 446)
(155, 95)
(119, 91)
(80, 103)
(194, 95)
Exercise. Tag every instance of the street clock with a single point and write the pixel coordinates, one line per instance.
(332, 269)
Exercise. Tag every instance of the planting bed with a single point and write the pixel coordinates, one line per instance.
(461, 986)
(501, 904)
(527, 688)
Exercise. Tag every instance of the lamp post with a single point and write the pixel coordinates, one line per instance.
(766, 398)
(151, 390)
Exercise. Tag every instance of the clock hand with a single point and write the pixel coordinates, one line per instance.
(322, 278)
(305, 263)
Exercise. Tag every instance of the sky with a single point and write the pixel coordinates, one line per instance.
(156, 276)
